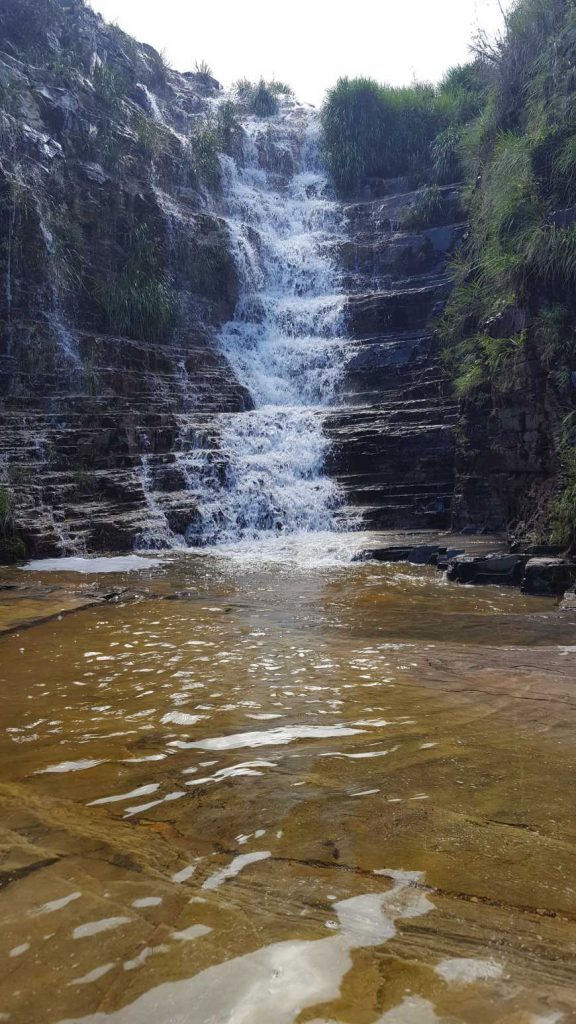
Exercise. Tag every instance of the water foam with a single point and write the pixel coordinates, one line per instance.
(286, 342)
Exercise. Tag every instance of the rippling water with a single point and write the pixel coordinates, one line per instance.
(269, 793)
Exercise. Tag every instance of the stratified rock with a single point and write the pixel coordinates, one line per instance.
(393, 431)
(98, 412)
(499, 569)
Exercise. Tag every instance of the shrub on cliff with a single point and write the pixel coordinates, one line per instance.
(563, 505)
(521, 158)
(377, 131)
(211, 135)
(513, 306)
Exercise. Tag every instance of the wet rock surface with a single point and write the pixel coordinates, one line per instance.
(543, 575)
(199, 796)
(116, 274)
(548, 576)
(393, 434)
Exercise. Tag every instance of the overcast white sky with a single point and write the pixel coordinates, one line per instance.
(309, 43)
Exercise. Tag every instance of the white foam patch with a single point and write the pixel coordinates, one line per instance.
(106, 924)
(141, 791)
(142, 957)
(94, 975)
(463, 971)
(359, 757)
(184, 874)
(235, 867)
(272, 737)
(54, 905)
(414, 1010)
(550, 1018)
(121, 563)
(277, 983)
(19, 950)
(180, 718)
(69, 766)
(195, 931)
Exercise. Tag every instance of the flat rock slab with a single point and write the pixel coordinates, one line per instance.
(20, 609)
(497, 568)
(545, 575)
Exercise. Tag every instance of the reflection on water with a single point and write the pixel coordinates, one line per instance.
(270, 794)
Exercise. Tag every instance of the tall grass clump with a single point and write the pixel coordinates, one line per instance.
(11, 545)
(138, 301)
(260, 98)
(211, 135)
(380, 131)
(563, 505)
(377, 131)
(520, 154)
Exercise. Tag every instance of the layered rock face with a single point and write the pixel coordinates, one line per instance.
(115, 275)
(197, 341)
(508, 462)
(393, 439)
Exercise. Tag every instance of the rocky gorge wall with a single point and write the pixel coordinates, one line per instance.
(118, 271)
(508, 464)
(118, 274)
(394, 433)
(115, 273)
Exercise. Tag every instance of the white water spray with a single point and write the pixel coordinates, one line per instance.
(286, 342)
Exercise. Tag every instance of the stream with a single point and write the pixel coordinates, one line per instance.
(256, 791)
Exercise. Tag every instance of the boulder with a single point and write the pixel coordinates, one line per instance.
(499, 569)
(422, 554)
(548, 576)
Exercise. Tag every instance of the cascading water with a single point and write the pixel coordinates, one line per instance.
(285, 343)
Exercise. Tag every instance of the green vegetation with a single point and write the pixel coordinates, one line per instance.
(280, 88)
(563, 505)
(378, 131)
(261, 98)
(11, 545)
(153, 139)
(201, 67)
(210, 136)
(139, 301)
(204, 148)
(110, 84)
(514, 298)
(522, 166)
(431, 210)
(505, 126)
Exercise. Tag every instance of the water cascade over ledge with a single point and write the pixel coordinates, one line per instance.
(286, 342)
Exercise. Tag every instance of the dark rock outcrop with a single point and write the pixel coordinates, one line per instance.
(507, 463)
(115, 273)
(499, 569)
(548, 576)
(393, 433)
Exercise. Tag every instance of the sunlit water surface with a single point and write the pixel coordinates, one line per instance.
(269, 792)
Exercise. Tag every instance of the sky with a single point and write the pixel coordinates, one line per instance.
(309, 43)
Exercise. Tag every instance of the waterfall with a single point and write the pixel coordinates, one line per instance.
(286, 341)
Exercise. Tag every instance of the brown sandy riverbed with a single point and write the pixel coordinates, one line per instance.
(289, 794)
